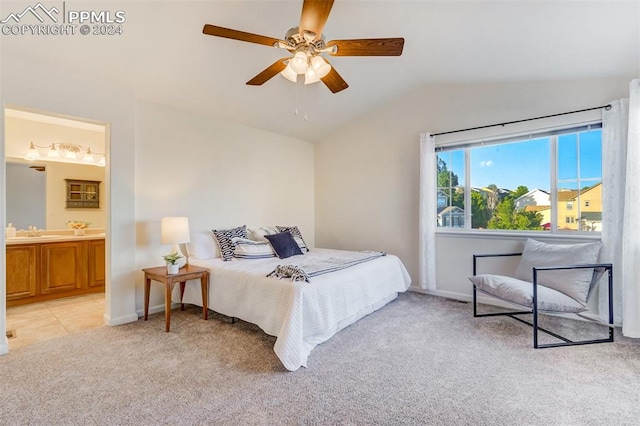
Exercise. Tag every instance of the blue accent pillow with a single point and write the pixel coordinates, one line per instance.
(284, 244)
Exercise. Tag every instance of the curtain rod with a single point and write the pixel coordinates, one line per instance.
(606, 107)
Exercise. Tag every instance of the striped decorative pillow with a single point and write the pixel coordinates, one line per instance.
(249, 249)
(301, 243)
(224, 238)
(296, 233)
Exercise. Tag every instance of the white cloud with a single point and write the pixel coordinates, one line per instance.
(487, 163)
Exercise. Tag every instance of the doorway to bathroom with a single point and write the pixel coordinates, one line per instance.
(55, 247)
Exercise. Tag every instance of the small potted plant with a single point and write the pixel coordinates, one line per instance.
(172, 262)
(78, 226)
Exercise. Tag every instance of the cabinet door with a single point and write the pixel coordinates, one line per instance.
(21, 271)
(91, 191)
(62, 267)
(74, 191)
(96, 263)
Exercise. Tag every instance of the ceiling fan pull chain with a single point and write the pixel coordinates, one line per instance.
(304, 103)
(296, 96)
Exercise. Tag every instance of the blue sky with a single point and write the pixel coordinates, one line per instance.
(527, 163)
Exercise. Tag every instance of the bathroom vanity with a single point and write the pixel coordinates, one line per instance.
(54, 266)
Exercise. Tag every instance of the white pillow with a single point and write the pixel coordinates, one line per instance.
(257, 234)
(202, 246)
(250, 249)
(572, 282)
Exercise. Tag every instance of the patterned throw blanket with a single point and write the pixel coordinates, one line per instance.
(306, 268)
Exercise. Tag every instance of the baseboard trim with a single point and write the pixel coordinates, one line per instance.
(155, 309)
(465, 297)
(125, 319)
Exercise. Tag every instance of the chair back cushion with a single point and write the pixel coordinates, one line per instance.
(572, 282)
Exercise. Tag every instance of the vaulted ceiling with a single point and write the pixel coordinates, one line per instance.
(163, 56)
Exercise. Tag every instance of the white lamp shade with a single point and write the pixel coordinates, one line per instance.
(320, 66)
(310, 76)
(32, 153)
(53, 152)
(174, 230)
(299, 63)
(289, 74)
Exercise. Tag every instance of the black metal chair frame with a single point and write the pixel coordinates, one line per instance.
(608, 267)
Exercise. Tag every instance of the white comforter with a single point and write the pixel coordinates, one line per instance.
(300, 314)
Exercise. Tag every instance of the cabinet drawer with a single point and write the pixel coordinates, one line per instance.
(75, 204)
(91, 204)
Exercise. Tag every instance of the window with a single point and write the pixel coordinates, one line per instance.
(548, 182)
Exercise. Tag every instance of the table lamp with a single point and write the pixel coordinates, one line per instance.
(175, 231)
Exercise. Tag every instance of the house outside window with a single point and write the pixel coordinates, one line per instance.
(535, 183)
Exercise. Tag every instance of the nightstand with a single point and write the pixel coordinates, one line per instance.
(188, 272)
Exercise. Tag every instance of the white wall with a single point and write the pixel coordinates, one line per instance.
(49, 87)
(217, 173)
(21, 132)
(57, 212)
(367, 174)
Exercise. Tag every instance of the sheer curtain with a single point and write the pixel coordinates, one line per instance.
(621, 214)
(428, 218)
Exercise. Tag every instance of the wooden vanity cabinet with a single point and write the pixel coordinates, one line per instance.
(97, 264)
(63, 267)
(44, 271)
(21, 271)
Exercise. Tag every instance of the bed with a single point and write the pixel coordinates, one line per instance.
(300, 314)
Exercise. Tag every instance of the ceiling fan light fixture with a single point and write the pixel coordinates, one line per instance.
(320, 67)
(299, 63)
(311, 76)
(289, 74)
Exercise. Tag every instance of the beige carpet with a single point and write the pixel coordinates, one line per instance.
(419, 360)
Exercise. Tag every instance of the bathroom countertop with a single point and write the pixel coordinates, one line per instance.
(53, 239)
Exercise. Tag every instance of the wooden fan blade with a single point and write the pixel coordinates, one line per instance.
(314, 16)
(216, 31)
(334, 81)
(269, 72)
(368, 47)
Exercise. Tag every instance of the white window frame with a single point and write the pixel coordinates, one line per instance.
(552, 133)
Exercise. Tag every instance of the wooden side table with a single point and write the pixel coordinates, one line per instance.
(188, 272)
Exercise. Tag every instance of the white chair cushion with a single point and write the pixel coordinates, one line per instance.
(572, 282)
(521, 293)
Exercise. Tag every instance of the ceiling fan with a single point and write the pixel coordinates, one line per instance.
(306, 43)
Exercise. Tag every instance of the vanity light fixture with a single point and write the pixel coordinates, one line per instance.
(66, 153)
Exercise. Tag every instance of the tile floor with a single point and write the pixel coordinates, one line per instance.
(37, 322)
